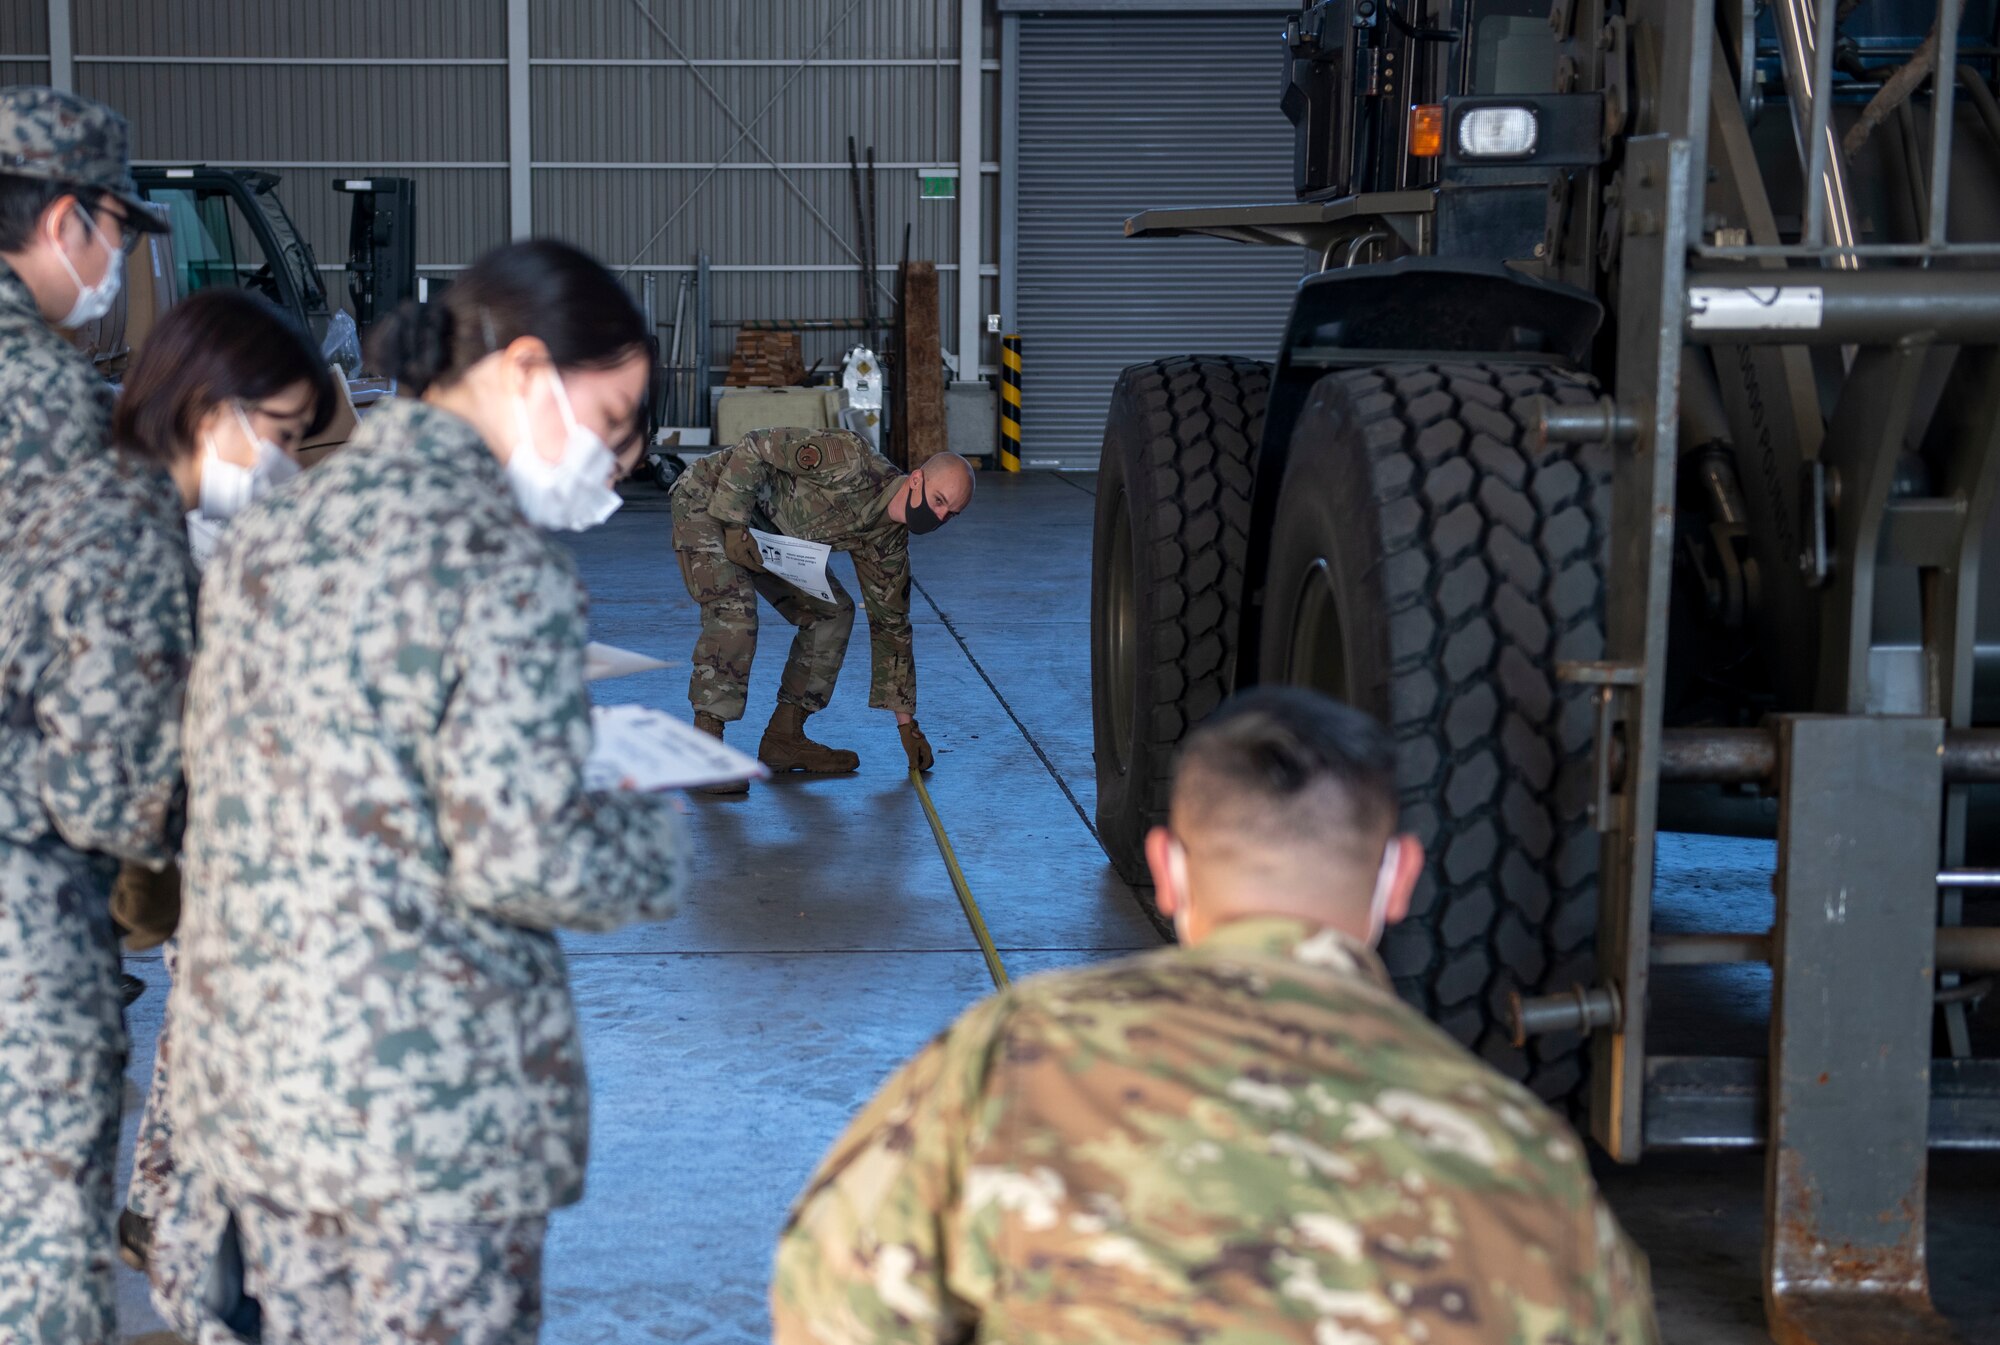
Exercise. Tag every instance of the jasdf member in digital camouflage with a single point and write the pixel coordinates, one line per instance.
(378, 1087)
(1245, 1138)
(96, 632)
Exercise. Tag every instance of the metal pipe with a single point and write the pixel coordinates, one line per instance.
(1750, 756)
(1960, 948)
(1970, 878)
(62, 47)
(1729, 756)
(520, 123)
(1942, 102)
(1966, 948)
(1704, 418)
(1583, 423)
(1582, 1009)
(1707, 950)
(1910, 165)
(1982, 101)
(1876, 307)
(1806, 31)
(1354, 248)
(1879, 251)
(971, 189)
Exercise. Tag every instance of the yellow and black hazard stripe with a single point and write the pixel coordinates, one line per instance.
(1010, 402)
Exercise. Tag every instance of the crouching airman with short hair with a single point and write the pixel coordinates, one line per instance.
(1246, 1137)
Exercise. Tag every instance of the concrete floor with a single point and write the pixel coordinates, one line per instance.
(728, 1046)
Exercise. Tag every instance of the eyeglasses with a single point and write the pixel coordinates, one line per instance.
(128, 234)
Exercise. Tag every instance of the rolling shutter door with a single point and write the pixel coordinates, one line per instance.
(1119, 115)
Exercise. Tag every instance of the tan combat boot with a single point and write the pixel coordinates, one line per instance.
(786, 747)
(712, 726)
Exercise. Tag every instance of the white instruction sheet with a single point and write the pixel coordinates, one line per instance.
(800, 564)
(648, 750)
(603, 661)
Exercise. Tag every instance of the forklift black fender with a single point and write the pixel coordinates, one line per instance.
(1428, 308)
(1417, 309)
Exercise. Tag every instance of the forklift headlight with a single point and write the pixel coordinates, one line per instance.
(1498, 133)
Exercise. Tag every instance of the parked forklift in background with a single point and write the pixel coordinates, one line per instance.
(1630, 451)
(229, 226)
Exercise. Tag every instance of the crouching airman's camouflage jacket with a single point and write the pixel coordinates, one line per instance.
(1249, 1140)
(827, 486)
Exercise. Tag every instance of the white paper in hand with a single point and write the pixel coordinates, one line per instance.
(602, 661)
(648, 750)
(203, 533)
(800, 564)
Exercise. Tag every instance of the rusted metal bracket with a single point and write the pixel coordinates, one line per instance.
(1862, 802)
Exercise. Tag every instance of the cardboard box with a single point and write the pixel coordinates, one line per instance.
(338, 430)
(742, 410)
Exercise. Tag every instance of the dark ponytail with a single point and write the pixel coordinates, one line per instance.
(413, 344)
(539, 288)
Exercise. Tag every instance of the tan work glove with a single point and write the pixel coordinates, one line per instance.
(741, 547)
(916, 746)
(147, 905)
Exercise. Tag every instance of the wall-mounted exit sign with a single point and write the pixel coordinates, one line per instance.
(936, 184)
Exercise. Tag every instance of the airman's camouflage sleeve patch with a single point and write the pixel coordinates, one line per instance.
(823, 450)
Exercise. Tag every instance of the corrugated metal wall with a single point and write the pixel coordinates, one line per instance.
(639, 114)
(771, 93)
(1117, 116)
(24, 43)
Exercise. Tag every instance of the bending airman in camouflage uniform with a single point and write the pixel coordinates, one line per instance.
(96, 631)
(1247, 1137)
(377, 1066)
(819, 486)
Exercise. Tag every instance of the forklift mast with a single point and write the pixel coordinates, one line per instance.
(381, 245)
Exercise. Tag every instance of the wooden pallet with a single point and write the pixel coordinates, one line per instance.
(767, 360)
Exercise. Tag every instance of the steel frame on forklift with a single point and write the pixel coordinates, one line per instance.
(1872, 807)
(1868, 818)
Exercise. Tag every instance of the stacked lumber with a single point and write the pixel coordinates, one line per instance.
(767, 360)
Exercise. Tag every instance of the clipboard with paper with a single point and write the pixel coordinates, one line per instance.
(633, 747)
(800, 563)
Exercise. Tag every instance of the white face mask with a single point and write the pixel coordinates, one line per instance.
(573, 492)
(1177, 863)
(92, 301)
(227, 489)
(1385, 884)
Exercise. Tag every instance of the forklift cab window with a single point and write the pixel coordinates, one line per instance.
(212, 247)
(1513, 49)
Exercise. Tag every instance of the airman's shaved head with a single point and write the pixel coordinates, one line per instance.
(1288, 792)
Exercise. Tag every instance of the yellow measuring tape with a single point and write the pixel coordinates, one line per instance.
(972, 916)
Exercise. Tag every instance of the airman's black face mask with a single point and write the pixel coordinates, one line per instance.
(918, 514)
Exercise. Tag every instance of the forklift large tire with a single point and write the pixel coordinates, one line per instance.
(1432, 562)
(1173, 520)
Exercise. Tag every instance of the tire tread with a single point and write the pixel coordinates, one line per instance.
(1203, 418)
(1492, 749)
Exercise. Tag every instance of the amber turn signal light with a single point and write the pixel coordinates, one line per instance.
(1427, 130)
